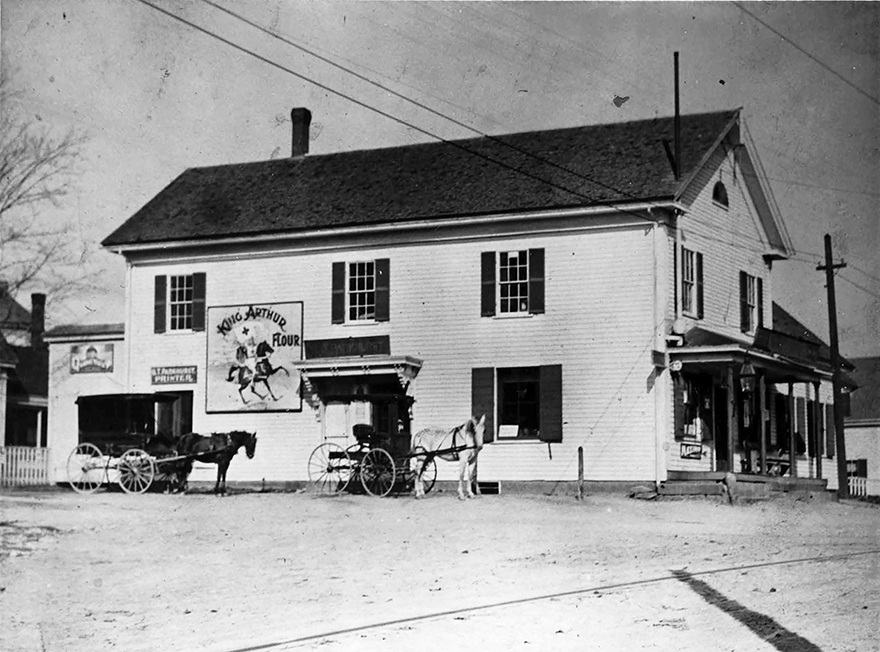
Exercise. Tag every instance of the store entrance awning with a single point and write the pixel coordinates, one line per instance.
(319, 371)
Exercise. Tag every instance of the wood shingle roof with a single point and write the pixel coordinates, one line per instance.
(592, 165)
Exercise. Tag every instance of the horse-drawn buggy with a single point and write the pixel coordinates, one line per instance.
(135, 440)
(380, 464)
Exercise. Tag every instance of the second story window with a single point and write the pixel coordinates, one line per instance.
(751, 302)
(719, 194)
(360, 291)
(179, 304)
(512, 282)
(692, 283)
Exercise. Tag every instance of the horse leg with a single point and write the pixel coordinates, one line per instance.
(473, 485)
(222, 467)
(266, 383)
(418, 484)
(462, 470)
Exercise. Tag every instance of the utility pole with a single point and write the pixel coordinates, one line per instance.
(829, 267)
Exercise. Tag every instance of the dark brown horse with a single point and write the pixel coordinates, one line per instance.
(217, 448)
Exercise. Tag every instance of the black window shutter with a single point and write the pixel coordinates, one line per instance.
(801, 427)
(830, 441)
(483, 399)
(862, 468)
(760, 283)
(699, 286)
(337, 303)
(811, 427)
(198, 315)
(820, 429)
(744, 302)
(675, 279)
(536, 281)
(383, 289)
(159, 305)
(551, 402)
(487, 280)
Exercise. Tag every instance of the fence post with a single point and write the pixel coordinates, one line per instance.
(580, 491)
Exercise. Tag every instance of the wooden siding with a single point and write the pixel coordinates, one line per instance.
(730, 239)
(597, 325)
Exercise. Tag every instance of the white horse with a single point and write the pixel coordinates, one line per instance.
(461, 444)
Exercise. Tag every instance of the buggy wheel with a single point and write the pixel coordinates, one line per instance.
(329, 469)
(86, 468)
(421, 459)
(136, 471)
(377, 472)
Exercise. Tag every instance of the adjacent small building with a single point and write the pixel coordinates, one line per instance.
(580, 287)
(863, 429)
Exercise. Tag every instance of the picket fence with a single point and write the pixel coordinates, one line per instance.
(864, 487)
(23, 465)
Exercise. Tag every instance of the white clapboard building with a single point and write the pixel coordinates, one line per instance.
(566, 283)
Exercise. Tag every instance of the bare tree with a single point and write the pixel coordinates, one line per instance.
(37, 248)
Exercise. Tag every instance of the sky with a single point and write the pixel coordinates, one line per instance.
(153, 97)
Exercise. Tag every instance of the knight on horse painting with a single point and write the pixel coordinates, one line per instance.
(461, 444)
(252, 365)
(217, 448)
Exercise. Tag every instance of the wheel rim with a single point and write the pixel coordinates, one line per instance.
(377, 472)
(329, 469)
(85, 468)
(136, 471)
(421, 459)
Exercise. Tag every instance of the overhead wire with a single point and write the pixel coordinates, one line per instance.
(457, 144)
(814, 58)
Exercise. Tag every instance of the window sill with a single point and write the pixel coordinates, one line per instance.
(514, 315)
(179, 332)
(720, 205)
(518, 440)
(362, 322)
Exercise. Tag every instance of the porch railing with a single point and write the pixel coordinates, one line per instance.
(863, 487)
(23, 465)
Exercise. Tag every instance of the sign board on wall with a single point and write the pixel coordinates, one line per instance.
(173, 375)
(90, 358)
(252, 349)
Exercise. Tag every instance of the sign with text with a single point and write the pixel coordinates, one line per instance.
(252, 349)
(91, 358)
(348, 346)
(173, 375)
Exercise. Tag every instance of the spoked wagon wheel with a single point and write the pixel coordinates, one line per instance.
(136, 471)
(329, 469)
(377, 472)
(429, 474)
(86, 468)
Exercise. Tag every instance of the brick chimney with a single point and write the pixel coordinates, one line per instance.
(300, 119)
(38, 319)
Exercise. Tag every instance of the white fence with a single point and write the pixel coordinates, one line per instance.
(23, 465)
(863, 487)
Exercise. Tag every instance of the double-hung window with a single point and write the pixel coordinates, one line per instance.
(360, 292)
(512, 282)
(751, 298)
(692, 283)
(179, 303)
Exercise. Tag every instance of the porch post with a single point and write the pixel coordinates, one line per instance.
(792, 453)
(760, 400)
(817, 430)
(731, 420)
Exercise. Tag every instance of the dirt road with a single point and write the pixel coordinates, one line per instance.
(296, 572)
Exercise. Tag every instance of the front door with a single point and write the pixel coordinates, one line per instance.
(335, 423)
(719, 418)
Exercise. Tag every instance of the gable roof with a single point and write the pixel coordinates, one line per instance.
(784, 322)
(591, 166)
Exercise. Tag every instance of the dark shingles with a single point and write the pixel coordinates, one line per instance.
(591, 165)
(865, 401)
